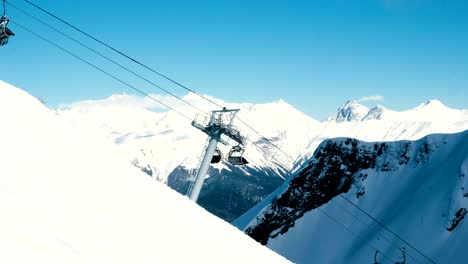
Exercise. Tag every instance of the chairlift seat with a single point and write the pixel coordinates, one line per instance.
(238, 161)
(5, 32)
(9, 33)
(216, 157)
(236, 156)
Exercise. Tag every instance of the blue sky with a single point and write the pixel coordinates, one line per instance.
(313, 54)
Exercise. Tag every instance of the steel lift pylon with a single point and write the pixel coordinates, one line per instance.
(220, 123)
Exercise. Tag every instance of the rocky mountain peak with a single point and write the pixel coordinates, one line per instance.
(351, 111)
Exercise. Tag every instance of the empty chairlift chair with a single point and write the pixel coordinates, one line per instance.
(217, 156)
(236, 156)
(5, 33)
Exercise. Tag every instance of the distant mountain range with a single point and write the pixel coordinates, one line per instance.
(165, 146)
(431, 111)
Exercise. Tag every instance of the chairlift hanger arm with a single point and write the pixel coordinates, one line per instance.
(232, 134)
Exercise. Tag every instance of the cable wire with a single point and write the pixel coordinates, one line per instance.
(376, 221)
(4, 8)
(378, 235)
(103, 56)
(267, 140)
(152, 70)
(302, 167)
(122, 53)
(386, 228)
(353, 233)
(101, 70)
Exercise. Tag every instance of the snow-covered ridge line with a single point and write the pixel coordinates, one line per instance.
(433, 110)
(138, 125)
(417, 188)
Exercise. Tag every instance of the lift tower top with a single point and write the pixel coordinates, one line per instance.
(220, 123)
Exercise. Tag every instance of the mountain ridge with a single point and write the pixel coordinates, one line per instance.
(353, 111)
(416, 188)
(146, 141)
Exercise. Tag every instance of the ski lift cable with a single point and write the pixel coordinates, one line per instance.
(101, 70)
(386, 228)
(104, 56)
(365, 224)
(90, 64)
(183, 86)
(267, 140)
(149, 68)
(122, 53)
(353, 233)
(302, 166)
(152, 70)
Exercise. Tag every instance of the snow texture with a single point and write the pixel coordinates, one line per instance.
(66, 196)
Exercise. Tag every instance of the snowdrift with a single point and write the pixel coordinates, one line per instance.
(67, 198)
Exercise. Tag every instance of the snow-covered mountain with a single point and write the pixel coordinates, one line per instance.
(167, 147)
(431, 111)
(67, 196)
(415, 189)
(140, 129)
(351, 111)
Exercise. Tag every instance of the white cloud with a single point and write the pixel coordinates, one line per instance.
(193, 104)
(371, 98)
(125, 100)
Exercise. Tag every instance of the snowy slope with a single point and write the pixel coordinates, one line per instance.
(67, 197)
(418, 189)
